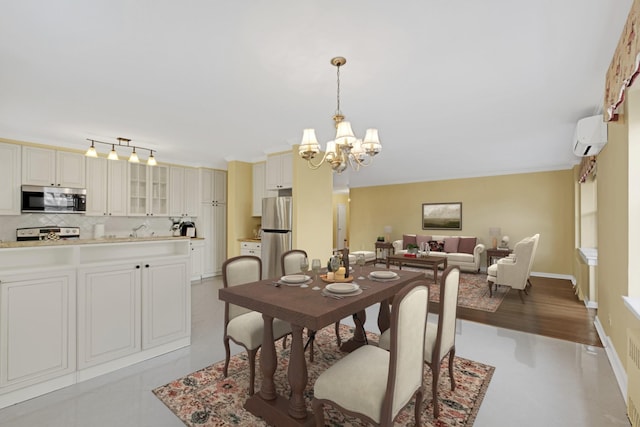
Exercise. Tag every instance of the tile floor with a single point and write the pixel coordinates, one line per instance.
(538, 381)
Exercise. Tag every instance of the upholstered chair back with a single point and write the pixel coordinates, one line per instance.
(238, 271)
(448, 312)
(291, 261)
(535, 239)
(516, 274)
(408, 328)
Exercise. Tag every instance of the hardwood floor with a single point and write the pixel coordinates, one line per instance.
(551, 309)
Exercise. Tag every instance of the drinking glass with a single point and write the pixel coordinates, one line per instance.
(334, 262)
(315, 267)
(360, 261)
(304, 264)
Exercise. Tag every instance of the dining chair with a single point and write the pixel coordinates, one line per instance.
(374, 384)
(241, 325)
(440, 339)
(290, 261)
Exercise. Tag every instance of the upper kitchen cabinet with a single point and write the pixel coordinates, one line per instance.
(10, 179)
(260, 190)
(280, 171)
(148, 190)
(214, 186)
(106, 187)
(45, 167)
(184, 192)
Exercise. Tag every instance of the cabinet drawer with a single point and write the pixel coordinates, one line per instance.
(250, 245)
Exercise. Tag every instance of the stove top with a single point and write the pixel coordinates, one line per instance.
(47, 233)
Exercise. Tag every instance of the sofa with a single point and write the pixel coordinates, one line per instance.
(462, 251)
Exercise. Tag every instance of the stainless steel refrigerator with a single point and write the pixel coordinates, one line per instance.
(276, 234)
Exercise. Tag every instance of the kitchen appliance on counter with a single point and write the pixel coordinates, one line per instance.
(53, 199)
(47, 233)
(276, 234)
(187, 228)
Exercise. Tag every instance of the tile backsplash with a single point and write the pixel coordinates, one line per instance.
(118, 226)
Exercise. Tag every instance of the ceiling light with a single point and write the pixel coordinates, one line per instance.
(113, 155)
(345, 150)
(91, 152)
(133, 158)
(122, 143)
(151, 161)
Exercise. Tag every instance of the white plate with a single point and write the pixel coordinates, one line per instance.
(384, 274)
(342, 288)
(295, 278)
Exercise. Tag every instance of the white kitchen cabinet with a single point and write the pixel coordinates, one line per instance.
(10, 178)
(197, 258)
(250, 248)
(46, 167)
(260, 189)
(184, 191)
(106, 187)
(150, 297)
(148, 190)
(166, 301)
(279, 171)
(38, 323)
(213, 186)
(213, 227)
(109, 312)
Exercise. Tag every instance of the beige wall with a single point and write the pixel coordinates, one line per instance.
(615, 195)
(521, 205)
(240, 224)
(312, 209)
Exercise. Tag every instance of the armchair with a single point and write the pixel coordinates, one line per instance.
(514, 270)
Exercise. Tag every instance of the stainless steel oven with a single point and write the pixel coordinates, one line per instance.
(53, 199)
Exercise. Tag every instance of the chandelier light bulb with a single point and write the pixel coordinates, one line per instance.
(134, 157)
(113, 155)
(91, 152)
(151, 161)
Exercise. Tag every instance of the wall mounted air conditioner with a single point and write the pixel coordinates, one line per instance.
(590, 136)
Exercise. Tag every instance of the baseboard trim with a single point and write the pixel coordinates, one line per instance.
(614, 360)
(554, 276)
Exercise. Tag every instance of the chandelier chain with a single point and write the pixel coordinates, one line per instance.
(338, 112)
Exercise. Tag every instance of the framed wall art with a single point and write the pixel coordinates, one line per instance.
(442, 216)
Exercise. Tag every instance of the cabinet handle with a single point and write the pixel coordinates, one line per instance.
(137, 266)
(146, 266)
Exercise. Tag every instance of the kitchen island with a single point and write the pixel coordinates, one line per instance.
(71, 310)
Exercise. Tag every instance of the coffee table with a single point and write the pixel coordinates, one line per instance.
(429, 260)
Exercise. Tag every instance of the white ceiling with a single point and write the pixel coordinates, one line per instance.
(456, 88)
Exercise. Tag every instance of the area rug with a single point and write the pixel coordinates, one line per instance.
(206, 399)
(473, 292)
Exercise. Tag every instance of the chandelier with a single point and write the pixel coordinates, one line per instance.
(345, 150)
(122, 143)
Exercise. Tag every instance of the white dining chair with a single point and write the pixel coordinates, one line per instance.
(374, 384)
(440, 339)
(241, 325)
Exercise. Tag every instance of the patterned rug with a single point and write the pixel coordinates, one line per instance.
(473, 292)
(206, 399)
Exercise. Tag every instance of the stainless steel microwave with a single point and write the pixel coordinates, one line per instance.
(53, 199)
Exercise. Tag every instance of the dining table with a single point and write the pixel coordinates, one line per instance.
(308, 307)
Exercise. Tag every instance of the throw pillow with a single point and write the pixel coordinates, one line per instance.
(451, 244)
(408, 239)
(436, 246)
(467, 245)
(422, 240)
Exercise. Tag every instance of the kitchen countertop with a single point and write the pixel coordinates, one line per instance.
(69, 242)
(250, 240)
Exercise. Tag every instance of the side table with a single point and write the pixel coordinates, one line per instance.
(383, 249)
(496, 254)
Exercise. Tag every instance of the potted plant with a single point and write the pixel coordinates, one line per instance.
(380, 239)
(412, 249)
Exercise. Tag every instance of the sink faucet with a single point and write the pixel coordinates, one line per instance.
(138, 228)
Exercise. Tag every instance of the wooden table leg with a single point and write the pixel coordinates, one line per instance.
(297, 374)
(435, 271)
(268, 360)
(359, 335)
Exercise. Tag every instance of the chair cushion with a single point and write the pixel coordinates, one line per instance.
(459, 257)
(247, 329)
(492, 270)
(364, 369)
